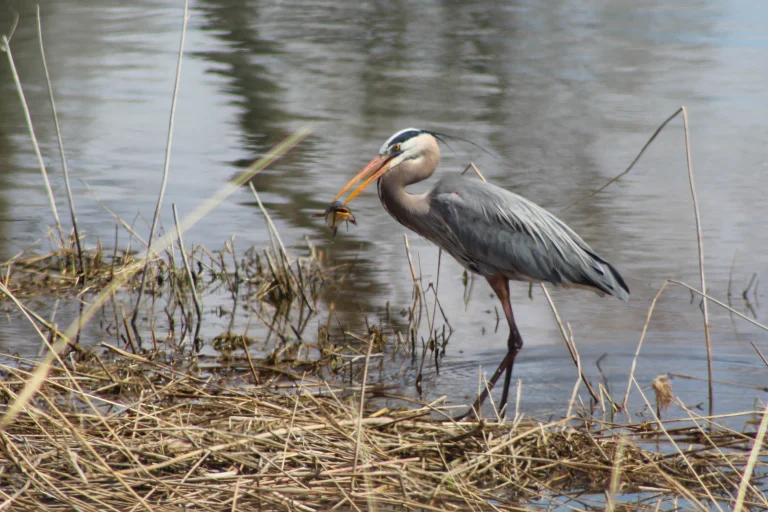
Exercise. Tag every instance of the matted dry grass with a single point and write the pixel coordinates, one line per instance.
(144, 428)
(122, 432)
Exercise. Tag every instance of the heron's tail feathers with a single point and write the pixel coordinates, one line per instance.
(606, 279)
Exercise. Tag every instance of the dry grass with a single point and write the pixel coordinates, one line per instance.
(127, 433)
(57, 273)
(121, 427)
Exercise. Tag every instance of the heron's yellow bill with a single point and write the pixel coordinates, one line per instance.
(375, 168)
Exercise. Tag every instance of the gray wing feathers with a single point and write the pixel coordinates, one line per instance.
(493, 231)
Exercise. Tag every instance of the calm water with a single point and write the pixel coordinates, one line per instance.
(566, 93)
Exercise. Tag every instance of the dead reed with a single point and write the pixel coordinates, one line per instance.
(279, 289)
(164, 438)
(123, 426)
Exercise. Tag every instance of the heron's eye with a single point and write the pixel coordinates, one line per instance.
(396, 148)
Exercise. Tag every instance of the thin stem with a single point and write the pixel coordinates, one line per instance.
(271, 225)
(753, 455)
(158, 206)
(700, 241)
(571, 348)
(13, 28)
(359, 426)
(640, 343)
(637, 158)
(195, 298)
(28, 117)
(72, 213)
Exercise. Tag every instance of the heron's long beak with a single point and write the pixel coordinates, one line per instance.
(376, 168)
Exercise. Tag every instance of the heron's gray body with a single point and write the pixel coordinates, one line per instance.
(492, 231)
(489, 230)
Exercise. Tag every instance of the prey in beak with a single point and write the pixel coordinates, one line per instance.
(338, 212)
(335, 215)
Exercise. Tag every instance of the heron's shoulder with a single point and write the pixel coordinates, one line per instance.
(466, 186)
(467, 196)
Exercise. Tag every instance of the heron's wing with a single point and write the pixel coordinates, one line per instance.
(493, 231)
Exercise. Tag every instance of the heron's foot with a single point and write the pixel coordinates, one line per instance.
(470, 415)
(473, 413)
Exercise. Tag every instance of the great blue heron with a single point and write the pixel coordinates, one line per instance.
(490, 231)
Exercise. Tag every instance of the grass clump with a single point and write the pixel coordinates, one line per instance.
(120, 431)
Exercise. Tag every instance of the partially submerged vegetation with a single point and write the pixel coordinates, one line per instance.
(124, 432)
(154, 426)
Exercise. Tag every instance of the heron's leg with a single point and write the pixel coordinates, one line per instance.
(500, 286)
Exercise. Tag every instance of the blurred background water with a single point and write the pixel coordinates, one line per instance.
(564, 92)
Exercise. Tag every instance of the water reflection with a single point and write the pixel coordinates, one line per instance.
(263, 119)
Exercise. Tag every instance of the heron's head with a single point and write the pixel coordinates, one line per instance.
(406, 151)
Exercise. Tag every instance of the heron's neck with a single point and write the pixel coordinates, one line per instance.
(406, 208)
